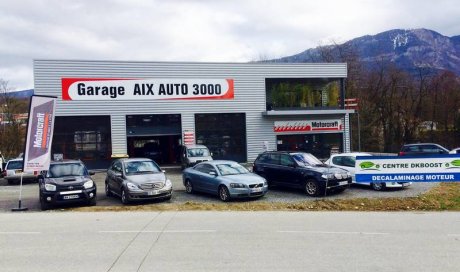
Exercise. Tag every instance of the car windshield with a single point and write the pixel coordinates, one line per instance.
(14, 165)
(66, 169)
(306, 159)
(198, 152)
(141, 167)
(226, 169)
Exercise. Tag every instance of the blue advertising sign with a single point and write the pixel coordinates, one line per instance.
(433, 168)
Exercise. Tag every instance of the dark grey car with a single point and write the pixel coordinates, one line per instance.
(134, 179)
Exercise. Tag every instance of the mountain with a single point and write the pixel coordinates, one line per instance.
(408, 49)
(22, 94)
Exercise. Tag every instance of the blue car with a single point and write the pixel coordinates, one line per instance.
(227, 179)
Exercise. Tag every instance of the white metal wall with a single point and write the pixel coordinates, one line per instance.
(249, 98)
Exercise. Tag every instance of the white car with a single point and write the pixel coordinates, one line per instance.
(347, 161)
(13, 170)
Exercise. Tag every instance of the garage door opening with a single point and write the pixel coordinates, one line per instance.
(156, 136)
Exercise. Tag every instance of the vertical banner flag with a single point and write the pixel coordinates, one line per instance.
(37, 155)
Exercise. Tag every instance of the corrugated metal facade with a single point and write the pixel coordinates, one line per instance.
(249, 79)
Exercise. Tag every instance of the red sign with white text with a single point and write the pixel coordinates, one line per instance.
(308, 126)
(146, 89)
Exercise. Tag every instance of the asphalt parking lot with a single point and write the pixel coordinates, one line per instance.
(9, 194)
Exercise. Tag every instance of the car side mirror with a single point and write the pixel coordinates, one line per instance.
(211, 154)
(163, 171)
(213, 173)
(91, 173)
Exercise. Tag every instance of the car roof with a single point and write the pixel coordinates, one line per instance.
(134, 159)
(195, 146)
(215, 162)
(16, 159)
(422, 144)
(352, 154)
(66, 161)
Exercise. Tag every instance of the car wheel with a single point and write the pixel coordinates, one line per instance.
(224, 194)
(107, 190)
(312, 188)
(378, 186)
(188, 186)
(124, 197)
(44, 205)
(92, 202)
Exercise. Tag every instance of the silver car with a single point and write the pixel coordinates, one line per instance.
(227, 179)
(134, 179)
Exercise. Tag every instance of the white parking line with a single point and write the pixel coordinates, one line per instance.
(19, 232)
(333, 232)
(453, 235)
(156, 231)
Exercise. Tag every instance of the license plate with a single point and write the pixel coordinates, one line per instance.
(343, 182)
(154, 192)
(17, 171)
(70, 196)
(258, 189)
(405, 184)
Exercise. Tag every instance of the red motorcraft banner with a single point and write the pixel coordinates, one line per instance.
(37, 155)
(308, 126)
(146, 89)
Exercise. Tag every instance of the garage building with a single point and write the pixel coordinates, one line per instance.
(107, 109)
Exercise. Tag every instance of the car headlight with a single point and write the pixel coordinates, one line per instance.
(50, 187)
(327, 176)
(168, 183)
(237, 185)
(88, 184)
(132, 186)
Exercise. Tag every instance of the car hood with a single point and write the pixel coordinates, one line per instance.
(146, 178)
(325, 169)
(69, 180)
(248, 178)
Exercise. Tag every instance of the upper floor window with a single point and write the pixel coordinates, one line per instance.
(302, 93)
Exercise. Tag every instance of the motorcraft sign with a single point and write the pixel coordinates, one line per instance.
(434, 168)
(146, 89)
(37, 155)
(308, 125)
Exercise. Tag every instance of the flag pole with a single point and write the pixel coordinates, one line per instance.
(20, 208)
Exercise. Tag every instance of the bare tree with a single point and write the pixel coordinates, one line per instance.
(11, 132)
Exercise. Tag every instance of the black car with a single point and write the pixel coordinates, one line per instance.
(134, 179)
(422, 149)
(300, 170)
(66, 182)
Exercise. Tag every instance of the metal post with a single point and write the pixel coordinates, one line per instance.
(359, 133)
(19, 208)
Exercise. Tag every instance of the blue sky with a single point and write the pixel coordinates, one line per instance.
(196, 30)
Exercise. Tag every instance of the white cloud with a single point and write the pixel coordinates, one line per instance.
(196, 30)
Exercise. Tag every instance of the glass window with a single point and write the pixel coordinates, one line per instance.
(344, 161)
(83, 137)
(198, 152)
(306, 159)
(14, 165)
(286, 160)
(302, 93)
(223, 133)
(141, 167)
(66, 170)
(231, 169)
(205, 168)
